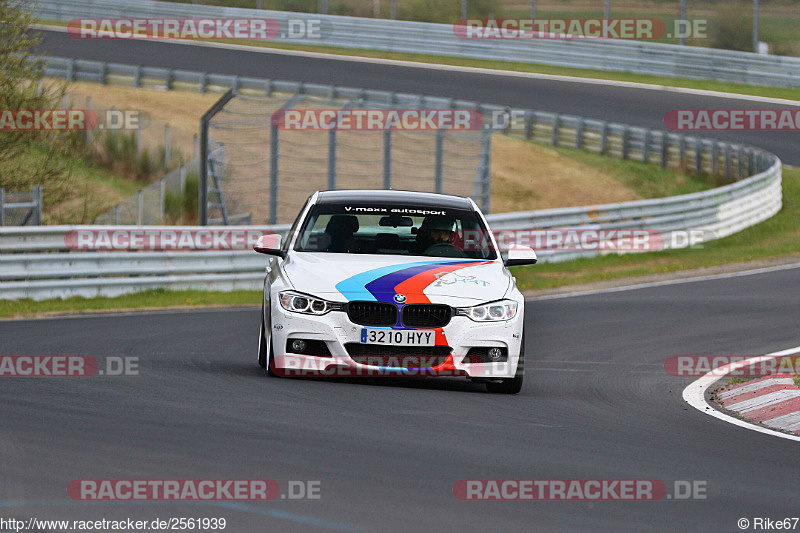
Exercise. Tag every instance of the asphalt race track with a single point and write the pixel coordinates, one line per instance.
(597, 404)
(638, 107)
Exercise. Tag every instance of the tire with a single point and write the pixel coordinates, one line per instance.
(511, 385)
(265, 350)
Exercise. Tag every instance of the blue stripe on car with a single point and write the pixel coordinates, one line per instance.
(355, 287)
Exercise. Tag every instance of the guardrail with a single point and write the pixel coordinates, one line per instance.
(43, 276)
(426, 38)
(38, 276)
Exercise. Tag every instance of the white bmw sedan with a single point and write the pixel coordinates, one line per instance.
(392, 283)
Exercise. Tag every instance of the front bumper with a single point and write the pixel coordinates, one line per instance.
(336, 331)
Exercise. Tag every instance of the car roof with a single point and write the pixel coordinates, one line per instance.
(383, 196)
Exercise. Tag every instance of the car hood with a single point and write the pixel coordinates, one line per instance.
(347, 277)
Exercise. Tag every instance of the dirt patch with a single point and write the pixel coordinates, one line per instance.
(180, 109)
(527, 176)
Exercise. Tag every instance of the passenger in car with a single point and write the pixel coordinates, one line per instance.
(340, 229)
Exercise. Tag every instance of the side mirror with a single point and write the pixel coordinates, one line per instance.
(270, 245)
(520, 256)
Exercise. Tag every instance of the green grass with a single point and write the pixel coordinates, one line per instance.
(145, 299)
(797, 380)
(645, 179)
(737, 381)
(84, 191)
(771, 92)
(776, 237)
(83, 169)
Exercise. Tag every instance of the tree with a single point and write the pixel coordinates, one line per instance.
(28, 158)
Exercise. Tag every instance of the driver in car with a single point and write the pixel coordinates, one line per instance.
(434, 237)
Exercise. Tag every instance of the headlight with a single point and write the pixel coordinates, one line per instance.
(491, 312)
(303, 303)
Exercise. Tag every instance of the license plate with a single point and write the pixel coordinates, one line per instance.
(398, 337)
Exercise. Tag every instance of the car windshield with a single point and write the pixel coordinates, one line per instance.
(395, 230)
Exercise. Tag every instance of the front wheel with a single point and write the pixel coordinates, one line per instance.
(266, 357)
(511, 385)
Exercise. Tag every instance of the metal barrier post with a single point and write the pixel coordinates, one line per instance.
(604, 138)
(439, 155)
(739, 162)
(37, 199)
(698, 156)
(202, 189)
(682, 152)
(166, 146)
(554, 135)
(728, 162)
(331, 160)
(387, 159)
(88, 130)
(273, 175)
(529, 124)
(625, 143)
(162, 202)
(138, 137)
(714, 158)
(484, 171)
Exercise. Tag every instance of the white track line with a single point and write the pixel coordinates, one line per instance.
(695, 394)
(471, 70)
